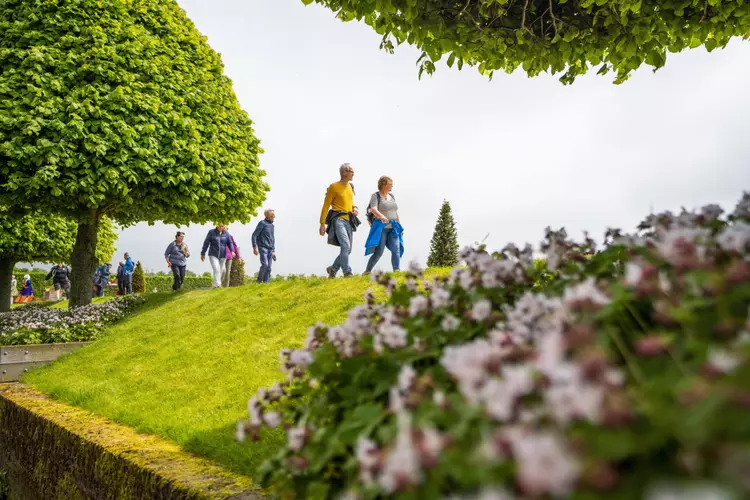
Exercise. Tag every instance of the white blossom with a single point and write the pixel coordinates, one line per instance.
(481, 310)
(545, 465)
(418, 304)
(586, 291)
(450, 323)
(296, 437)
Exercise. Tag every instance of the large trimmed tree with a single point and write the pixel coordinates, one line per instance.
(568, 36)
(34, 237)
(119, 108)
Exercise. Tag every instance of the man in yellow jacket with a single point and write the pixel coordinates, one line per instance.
(338, 208)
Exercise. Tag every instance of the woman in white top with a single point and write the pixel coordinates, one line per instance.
(384, 207)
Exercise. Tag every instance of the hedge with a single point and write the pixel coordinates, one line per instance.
(154, 282)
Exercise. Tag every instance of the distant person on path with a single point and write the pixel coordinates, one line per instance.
(176, 256)
(264, 244)
(101, 279)
(27, 292)
(386, 229)
(127, 275)
(225, 273)
(121, 278)
(216, 242)
(60, 275)
(13, 289)
(339, 219)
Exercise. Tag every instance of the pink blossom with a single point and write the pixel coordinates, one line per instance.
(481, 310)
(545, 465)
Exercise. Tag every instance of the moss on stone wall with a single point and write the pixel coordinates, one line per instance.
(54, 451)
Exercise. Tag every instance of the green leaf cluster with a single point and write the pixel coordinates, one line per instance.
(121, 108)
(556, 36)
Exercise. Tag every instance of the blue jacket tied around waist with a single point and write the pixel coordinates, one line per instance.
(376, 231)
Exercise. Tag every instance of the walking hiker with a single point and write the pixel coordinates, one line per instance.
(264, 244)
(226, 271)
(127, 275)
(101, 279)
(385, 229)
(216, 242)
(121, 278)
(60, 274)
(339, 219)
(176, 256)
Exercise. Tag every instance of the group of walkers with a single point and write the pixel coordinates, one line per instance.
(338, 220)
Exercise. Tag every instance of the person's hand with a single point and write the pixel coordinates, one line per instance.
(383, 219)
(273, 254)
(255, 251)
(322, 230)
(233, 255)
(169, 265)
(355, 211)
(203, 258)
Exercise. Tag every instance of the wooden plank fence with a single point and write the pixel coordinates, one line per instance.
(19, 359)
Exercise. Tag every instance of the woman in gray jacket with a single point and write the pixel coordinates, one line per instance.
(176, 255)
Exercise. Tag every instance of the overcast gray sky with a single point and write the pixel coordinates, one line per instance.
(512, 155)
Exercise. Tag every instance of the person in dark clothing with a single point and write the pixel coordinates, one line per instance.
(176, 256)
(101, 279)
(217, 241)
(264, 244)
(120, 279)
(127, 275)
(60, 275)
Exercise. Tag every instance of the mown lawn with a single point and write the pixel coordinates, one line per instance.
(184, 366)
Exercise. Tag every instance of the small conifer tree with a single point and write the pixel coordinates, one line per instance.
(444, 244)
(139, 279)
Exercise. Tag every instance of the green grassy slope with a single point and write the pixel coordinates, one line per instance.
(184, 366)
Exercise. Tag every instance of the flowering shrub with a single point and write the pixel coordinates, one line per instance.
(37, 324)
(618, 373)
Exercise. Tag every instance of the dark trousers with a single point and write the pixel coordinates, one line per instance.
(127, 284)
(120, 285)
(266, 258)
(179, 276)
(64, 286)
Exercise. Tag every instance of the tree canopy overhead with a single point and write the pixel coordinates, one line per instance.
(120, 108)
(569, 36)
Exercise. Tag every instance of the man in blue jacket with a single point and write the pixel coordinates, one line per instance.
(127, 274)
(264, 244)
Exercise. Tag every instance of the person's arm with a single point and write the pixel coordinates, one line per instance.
(51, 272)
(231, 246)
(254, 237)
(326, 205)
(205, 245)
(167, 252)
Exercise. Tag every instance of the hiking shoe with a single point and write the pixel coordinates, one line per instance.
(331, 272)
(366, 273)
(348, 275)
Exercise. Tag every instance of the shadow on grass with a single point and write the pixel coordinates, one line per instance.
(243, 458)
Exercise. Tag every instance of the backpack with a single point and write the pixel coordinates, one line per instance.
(370, 215)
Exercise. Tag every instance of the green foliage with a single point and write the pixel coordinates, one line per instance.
(589, 374)
(150, 370)
(444, 244)
(109, 108)
(157, 283)
(139, 279)
(237, 273)
(124, 110)
(551, 36)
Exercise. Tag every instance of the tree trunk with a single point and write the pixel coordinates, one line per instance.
(83, 262)
(6, 275)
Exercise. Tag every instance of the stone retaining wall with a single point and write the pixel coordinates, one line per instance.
(49, 450)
